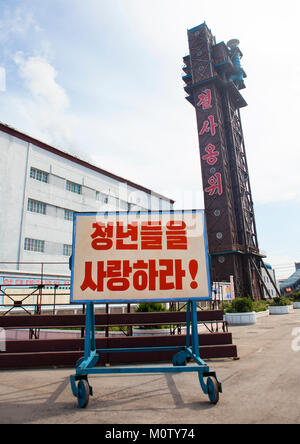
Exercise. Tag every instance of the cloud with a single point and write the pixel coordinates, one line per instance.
(142, 128)
(46, 108)
(102, 80)
(40, 78)
(16, 22)
(270, 121)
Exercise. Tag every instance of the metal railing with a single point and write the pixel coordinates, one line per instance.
(37, 293)
(32, 298)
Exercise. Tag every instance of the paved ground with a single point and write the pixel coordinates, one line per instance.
(262, 387)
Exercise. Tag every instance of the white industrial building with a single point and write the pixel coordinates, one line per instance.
(40, 188)
(268, 283)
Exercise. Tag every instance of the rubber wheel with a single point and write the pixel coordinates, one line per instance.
(83, 393)
(213, 389)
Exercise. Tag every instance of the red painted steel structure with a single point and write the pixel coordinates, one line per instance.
(214, 78)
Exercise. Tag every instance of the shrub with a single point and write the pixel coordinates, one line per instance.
(241, 305)
(260, 306)
(148, 307)
(280, 302)
(295, 296)
(225, 306)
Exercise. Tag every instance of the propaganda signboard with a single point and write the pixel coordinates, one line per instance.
(139, 256)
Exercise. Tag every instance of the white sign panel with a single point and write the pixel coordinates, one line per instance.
(139, 256)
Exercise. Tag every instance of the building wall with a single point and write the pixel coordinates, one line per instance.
(52, 223)
(268, 283)
(13, 163)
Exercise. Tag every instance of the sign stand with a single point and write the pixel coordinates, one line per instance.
(183, 355)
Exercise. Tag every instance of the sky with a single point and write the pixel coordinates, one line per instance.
(102, 79)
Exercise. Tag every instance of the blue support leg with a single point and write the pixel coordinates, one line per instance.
(212, 387)
(195, 338)
(188, 325)
(88, 329)
(182, 358)
(83, 390)
(90, 355)
(73, 386)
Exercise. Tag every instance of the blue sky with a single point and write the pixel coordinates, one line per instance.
(102, 79)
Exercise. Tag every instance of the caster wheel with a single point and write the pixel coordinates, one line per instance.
(213, 390)
(83, 394)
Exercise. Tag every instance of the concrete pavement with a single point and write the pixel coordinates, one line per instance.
(262, 387)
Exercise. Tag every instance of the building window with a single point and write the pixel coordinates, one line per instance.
(34, 245)
(73, 187)
(67, 250)
(124, 206)
(69, 215)
(102, 197)
(38, 175)
(36, 207)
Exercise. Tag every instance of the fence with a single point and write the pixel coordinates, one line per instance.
(38, 302)
(41, 291)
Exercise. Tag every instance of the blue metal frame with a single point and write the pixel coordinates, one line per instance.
(182, 354)
(125, 301)
(86, 365)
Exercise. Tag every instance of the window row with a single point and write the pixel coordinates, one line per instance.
(35, 206)
(42, 176)
(39, 175)
(41, 208)
(34, 245)
(38, 246)
(75, 188)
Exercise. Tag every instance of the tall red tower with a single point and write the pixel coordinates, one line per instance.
(214, 78)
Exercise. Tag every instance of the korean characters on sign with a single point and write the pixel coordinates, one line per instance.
(139, 256)
(210, 154)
